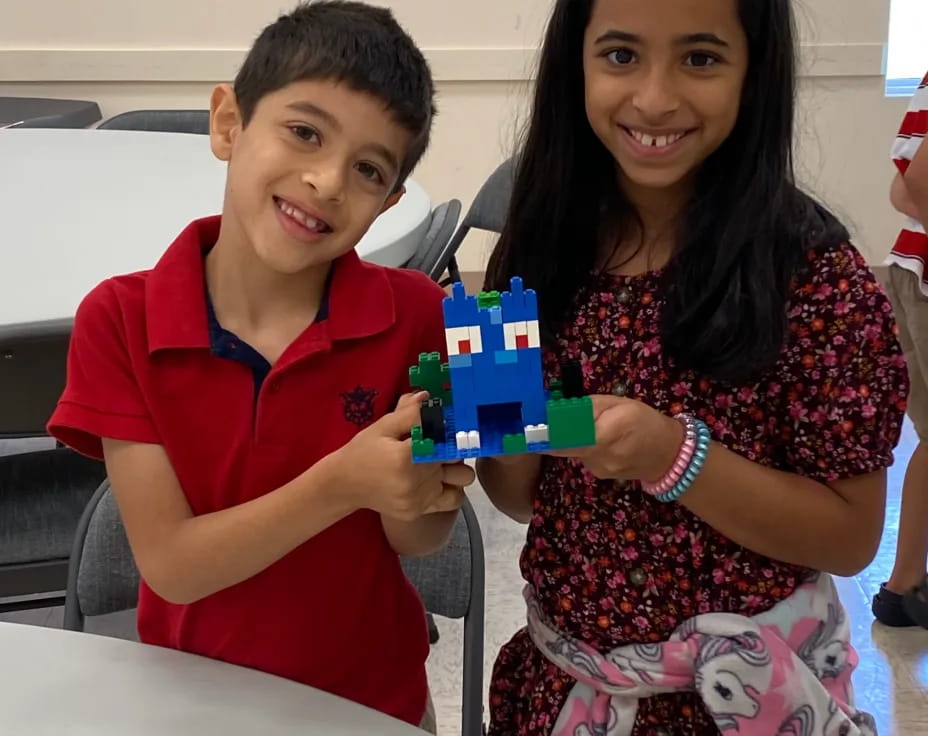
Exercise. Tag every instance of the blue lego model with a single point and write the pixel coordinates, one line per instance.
(490, 398)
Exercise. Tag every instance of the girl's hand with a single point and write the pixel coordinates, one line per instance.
(633, 441)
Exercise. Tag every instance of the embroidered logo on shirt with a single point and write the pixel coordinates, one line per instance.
(359, 405)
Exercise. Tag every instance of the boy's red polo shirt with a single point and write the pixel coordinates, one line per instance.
(337, 613)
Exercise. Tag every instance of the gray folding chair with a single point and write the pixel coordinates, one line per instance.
(162, 121)
(433, 255)
(487, 212)
(102, 578)
(42, 492)
(452, 584)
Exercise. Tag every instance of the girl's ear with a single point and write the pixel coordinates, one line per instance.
(225, 121)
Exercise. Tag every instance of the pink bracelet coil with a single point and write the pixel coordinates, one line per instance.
(682, 462)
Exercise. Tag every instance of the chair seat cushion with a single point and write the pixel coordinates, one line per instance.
(42, 497)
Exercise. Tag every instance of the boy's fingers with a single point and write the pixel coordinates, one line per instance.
(451, 499)
(458, 474)
(399, 423)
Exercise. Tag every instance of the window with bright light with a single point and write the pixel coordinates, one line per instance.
(907, 57)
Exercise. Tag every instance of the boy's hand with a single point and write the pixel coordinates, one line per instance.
(376, 467)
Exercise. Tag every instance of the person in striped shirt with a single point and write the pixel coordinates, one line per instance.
(903, 599)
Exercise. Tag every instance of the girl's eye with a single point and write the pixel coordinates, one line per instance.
(621, 57)
(305, 133)
(370, 172)
(699, 60)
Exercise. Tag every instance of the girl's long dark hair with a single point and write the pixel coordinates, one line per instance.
(744, 233)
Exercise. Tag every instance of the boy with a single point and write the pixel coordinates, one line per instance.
(903, 599)
(239, 391)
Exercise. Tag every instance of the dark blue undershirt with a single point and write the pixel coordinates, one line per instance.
(227, 344)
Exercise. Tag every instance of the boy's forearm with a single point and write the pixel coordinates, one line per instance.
(215, 551)
(422, 537)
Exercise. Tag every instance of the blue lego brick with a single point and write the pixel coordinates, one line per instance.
(460, 361)
(504, 357)
(491, 443)
(496, 316)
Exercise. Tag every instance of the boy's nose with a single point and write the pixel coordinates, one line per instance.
(328, 182)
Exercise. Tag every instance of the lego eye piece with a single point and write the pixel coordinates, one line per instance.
(521, 335)
(464, 340)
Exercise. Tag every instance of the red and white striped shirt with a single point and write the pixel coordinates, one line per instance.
(911, 249)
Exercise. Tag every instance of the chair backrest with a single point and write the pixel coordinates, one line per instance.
(32, 377)
(433, 255)
(487, 212)
(452, 584)
(103, 578)
(164, 121)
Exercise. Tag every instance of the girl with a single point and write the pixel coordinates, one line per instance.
(748, 388)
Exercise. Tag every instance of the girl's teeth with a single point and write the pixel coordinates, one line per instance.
(656, 141)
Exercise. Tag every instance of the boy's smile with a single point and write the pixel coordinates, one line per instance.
(309, 173)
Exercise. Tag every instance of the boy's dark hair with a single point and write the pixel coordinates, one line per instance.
(350, 42)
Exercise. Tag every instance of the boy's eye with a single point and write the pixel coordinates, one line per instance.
(701, 60)
(305, 133)
(370, 172)
(621, 57)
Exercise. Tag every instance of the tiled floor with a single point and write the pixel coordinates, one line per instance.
(891, 682)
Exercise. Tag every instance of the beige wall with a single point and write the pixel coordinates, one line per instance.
(133, 54)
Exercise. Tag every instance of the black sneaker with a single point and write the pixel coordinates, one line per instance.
(915, 604)
(889, 610)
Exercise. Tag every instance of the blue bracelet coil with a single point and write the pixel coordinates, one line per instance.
(703, 440)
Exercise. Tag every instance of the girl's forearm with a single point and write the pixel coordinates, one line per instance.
(788, 517)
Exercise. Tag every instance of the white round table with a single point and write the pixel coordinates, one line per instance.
(79, 206)
(55, 682)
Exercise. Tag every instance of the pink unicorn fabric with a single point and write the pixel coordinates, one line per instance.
(785, 672)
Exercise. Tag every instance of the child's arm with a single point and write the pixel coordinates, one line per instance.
(835, 527)
(510, 483)
(901, 199)
(184, 558)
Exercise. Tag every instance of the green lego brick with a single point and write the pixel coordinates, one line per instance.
(421, 447)
(433, 376)
(570, 422)
(487, 299)
(514, 444)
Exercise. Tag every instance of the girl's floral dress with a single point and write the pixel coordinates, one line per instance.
(611, 566)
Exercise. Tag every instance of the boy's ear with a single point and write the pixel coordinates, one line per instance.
(225, 121)
(393, 199)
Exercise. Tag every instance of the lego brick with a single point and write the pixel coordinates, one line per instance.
(536, 434)
(488, 299)
(460, 361)
(496, 316)
(572, 380)
(421, 448)
(433, 376)
(514, 444)
(432, 415)
(504, 357)
(571, 423)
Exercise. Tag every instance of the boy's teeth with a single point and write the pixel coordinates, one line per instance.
(310, 223)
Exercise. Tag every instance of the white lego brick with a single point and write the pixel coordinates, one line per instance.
(534, 336)
(536, 433)
(476, 340)
(509, 333)
(462, 441)
(473, 440)
(453, 338)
